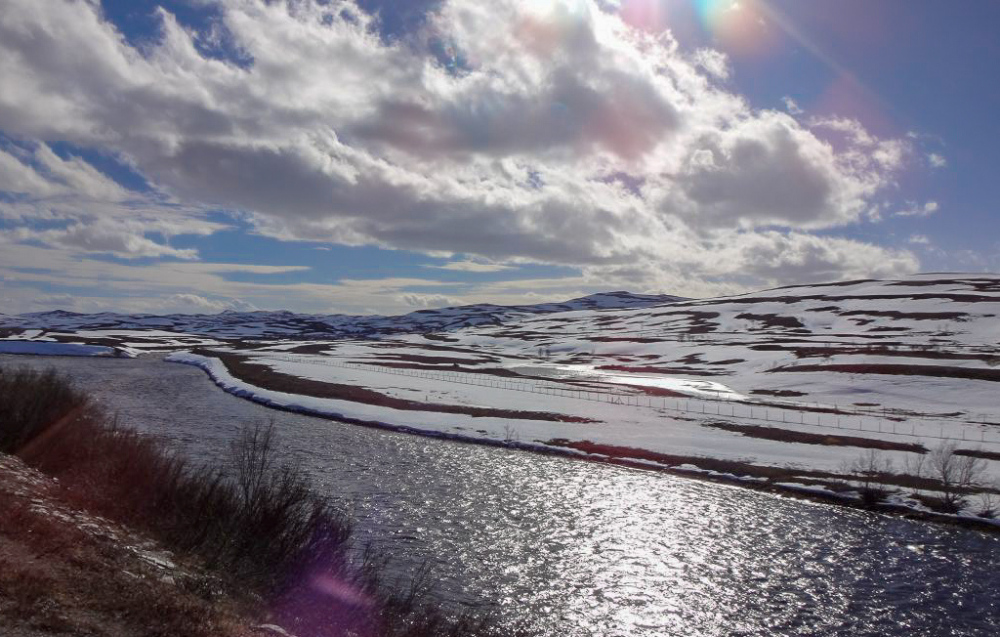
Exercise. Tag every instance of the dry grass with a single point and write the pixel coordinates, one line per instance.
(59, 576)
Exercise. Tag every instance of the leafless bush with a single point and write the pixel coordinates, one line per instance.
(988, 504)
(32, 402)
(916, 466)
(510, 434)
(957, 475)
(867, 469)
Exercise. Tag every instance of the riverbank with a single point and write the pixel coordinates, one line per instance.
(65, 570)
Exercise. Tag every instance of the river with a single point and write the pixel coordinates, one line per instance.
(589, 549)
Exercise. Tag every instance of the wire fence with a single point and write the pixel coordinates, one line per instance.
(817, 415)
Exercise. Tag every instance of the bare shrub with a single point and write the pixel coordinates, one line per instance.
(510, 434)
(916, 466)
(988, 504)
(957, 475)
(868, 469)
(32, 402)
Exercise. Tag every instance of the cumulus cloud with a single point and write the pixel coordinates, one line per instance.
(767, 170)
(429, 301)
(549, 132)
(803, 258)
(196, 303)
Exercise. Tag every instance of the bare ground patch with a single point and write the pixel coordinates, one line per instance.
(777, 393)
(830, 440)
(938, 371)
(978, 453)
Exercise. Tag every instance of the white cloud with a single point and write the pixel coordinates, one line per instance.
(199, 304)
(92, 212)
(791, 106)
(936, 160)
(124, 241)
(913, 209)
(429, 301)
(554, 134)
(919, 239)
(469, 265)
(716, 63)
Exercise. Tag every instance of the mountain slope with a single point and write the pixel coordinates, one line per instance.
(288, 325)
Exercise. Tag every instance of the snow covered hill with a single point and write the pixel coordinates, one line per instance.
(192, 329)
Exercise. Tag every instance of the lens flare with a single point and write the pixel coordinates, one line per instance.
(648, 15)
(740, 26)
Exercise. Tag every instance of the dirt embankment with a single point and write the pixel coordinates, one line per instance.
(63, 571)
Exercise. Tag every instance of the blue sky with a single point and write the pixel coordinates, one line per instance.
(376, 156)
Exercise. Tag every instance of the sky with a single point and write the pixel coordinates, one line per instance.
(370, 156)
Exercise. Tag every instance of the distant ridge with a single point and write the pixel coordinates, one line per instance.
(262, 324)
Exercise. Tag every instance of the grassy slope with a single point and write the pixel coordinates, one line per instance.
(63, 570)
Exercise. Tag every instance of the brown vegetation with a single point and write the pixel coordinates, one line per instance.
(772, 320)
(940, 371)
(63, 571)
(788, 435)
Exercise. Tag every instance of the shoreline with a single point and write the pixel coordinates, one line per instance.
(684, 470)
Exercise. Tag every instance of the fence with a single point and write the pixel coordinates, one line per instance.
(830, 416)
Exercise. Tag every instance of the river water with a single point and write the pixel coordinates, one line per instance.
(587, 549)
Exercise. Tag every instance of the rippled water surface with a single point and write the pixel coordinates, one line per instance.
(589, 549)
